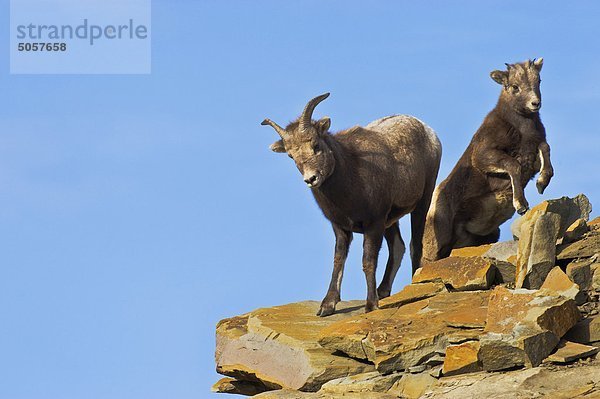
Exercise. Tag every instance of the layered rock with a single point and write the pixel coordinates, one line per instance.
(368, 382)
(291, 394)
(559, 283)
(575, 231)
(584, 248)
(523, 327)
(568, 209)
(538, 231)
(504, 257)
(555, 383)
(277, 347)
(412, 293)
(537, 249)
(567, 352)
(462, 274)
(462, 358)
(431, 339)
(396, 339)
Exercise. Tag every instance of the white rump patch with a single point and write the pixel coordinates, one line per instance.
(433, 138)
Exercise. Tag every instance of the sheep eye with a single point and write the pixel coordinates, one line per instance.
(317, 148)
(515, 88)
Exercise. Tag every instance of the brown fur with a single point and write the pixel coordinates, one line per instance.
(486, 185)
(364, 180)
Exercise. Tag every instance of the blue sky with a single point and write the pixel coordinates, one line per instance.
(137, 211)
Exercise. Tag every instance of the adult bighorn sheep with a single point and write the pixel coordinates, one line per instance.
(364, 180)
(486, 186)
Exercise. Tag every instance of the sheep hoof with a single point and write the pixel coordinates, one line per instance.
(382, 293)
(522, 210)
(326, 309)
(369, 307)
(541, 186)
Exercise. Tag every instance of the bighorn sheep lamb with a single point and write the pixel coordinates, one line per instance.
(364, 180)
(486, 186)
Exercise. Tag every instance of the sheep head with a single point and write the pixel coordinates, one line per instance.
(521, 85)
(308, 143)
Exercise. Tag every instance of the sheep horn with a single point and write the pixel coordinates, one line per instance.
(308, 111)
(281, 131)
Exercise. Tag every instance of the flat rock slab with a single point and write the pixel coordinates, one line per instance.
(556, 383)
(231, 385)
(395, 339)
(575, 231)
(523, 327)
(461, 359)
(504, 257)
(560, 284)
(468, 252)
(505, 251)
(463, 274)
(368, 382)
(569, 209)
(584, 248)
(278, 347)
(289, 394)
(570, 351)
(412, 293)
(413, 386)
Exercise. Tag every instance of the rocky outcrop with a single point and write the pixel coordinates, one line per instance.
(537, 249)
(277, 347)
(448, 333)
(581, 380)
(460, 273)
(462, 358)
(567, 352)
(523, 327)
(412, 293)
(538, 231)
(569, 210)
(397, 339)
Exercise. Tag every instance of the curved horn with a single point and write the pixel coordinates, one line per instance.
(281, 131)
(308, 110)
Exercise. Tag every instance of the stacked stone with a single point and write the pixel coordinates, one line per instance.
(528, 305)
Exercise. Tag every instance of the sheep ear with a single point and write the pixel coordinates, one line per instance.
(324, 124)
(500, 77)
(277, 146)
(537, 64)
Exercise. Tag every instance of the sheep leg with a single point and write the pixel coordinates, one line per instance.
(546, 170)
(418, 219)
(438, 237)
(495, 161)
(342, 244)
(371, 246)
(396, 249)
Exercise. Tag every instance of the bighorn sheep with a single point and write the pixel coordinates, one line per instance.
(364, 180)
(486, 186)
